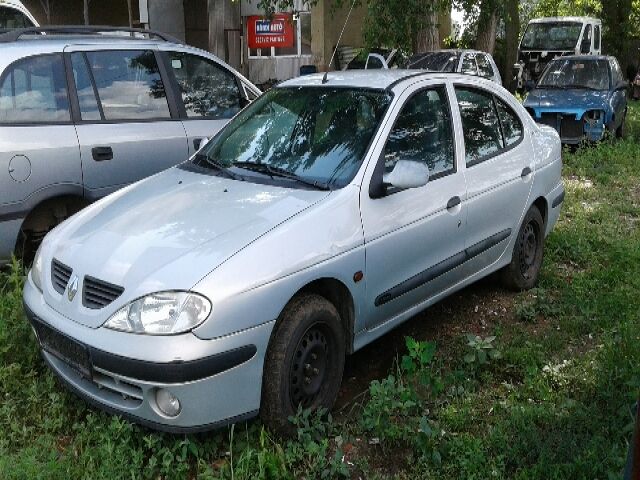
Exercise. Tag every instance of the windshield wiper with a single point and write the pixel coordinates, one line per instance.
(200, 159)
(282, 173)
(577, 85)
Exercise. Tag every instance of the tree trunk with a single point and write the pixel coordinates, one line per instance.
(512, 35)
(130, 12)
(487, 27)
(428, 39)
(46, 6)
(616, 15)
(86, 12)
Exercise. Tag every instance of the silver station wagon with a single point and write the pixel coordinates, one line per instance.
(323, 215)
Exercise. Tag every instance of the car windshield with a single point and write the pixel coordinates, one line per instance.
(589, 74)
(11, 18)
(551, 36)
(313, 135)
(435, 61)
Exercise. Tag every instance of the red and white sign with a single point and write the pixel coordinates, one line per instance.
(266, 33)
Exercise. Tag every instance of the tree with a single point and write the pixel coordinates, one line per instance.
(86, 11)
(511, 37)
(487, 26)
(46, 6)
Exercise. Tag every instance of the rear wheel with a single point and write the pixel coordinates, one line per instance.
(620, 129)
(523, 271)
(304, 361)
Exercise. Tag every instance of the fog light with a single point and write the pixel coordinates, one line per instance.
(168, 403)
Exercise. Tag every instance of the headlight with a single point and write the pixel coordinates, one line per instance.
(36, 269)
(163, 313)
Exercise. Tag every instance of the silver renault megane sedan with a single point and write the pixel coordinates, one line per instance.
(323, 215)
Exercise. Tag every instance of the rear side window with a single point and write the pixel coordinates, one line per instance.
(374, 63)
(89, 109)
(512, 129)
(129, 84)
(469, 64)
(480, 124)
(34, 90)
(484, 66)
(423, 133)
(207, 89)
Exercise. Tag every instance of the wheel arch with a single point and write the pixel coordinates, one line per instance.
(336, 292)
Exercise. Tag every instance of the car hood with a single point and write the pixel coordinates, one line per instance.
(573, 100)
(167, 232)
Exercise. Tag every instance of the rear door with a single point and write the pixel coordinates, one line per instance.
(127, 126)
(209, 94)
(39, 155)
(498, 173)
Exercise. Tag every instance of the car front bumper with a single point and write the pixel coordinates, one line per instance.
(217, 381)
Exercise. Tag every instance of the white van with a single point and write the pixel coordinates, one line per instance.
(548, 38)
(13, 14)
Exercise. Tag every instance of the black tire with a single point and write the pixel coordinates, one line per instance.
(304, 361)
(523, 271)
(620, 129)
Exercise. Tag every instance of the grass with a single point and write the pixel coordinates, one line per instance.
(554, 403)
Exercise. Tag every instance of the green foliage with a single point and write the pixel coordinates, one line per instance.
(537, 304)
(482, 349)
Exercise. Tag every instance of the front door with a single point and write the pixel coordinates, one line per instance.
(126, 130)
(414, 237)
(498, 174)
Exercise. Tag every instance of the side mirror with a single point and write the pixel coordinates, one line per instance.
(623, 85)
(407, 174)
(198, 143)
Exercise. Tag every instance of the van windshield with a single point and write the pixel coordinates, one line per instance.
(551, 36)
(11, 18)
(313, 135)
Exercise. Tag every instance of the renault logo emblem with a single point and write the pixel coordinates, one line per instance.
(72, 288)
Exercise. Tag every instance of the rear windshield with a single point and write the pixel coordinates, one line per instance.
(589, 74)
(319, 135)
(551, 36)
(435, 61)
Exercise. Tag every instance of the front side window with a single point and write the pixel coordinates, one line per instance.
(583, 73)
(315, 134)
(596, 37)
(512, 129)
(586, 40)
(484, 67)
(423, 133)
(551, 36)
(34, 90)
(207, 89)
(12, 18)
(129, 84)
(480, 124)
(469, 64)
(374, 63)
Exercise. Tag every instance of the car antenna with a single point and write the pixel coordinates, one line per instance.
(325, 79)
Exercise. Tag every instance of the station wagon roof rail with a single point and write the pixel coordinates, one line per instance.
(134, 33)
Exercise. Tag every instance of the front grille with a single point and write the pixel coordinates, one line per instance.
(60, 275)
(97, 294)
(571, 128)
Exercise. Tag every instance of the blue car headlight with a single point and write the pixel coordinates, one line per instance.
(162, 313)
(594, 117)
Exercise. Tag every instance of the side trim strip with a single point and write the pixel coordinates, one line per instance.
(559, 199)
(441, 268)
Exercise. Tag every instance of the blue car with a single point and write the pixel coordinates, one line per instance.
(582, 97)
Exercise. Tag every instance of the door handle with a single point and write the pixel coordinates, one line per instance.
(453, 202)
(100, 154)
(526, 171)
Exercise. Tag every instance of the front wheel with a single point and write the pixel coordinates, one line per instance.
(523, 271)
(304, 361)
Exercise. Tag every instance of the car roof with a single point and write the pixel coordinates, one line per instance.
(564, 19)
(375, 79)
(584, 57)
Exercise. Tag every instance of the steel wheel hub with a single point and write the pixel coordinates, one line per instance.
(528, 249)
(309, 368)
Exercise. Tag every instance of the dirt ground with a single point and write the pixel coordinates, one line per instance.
(472, 310)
